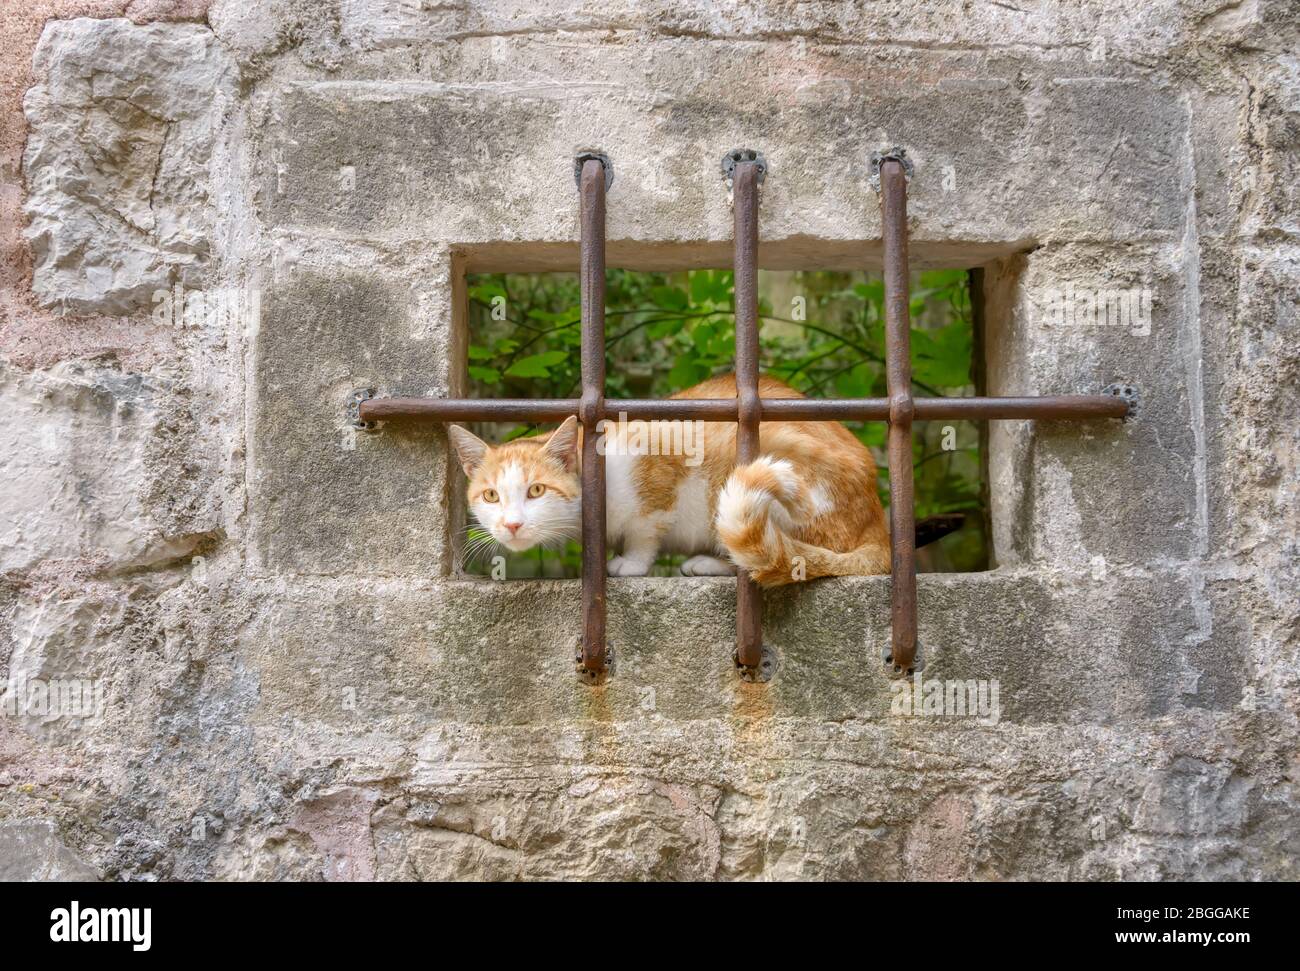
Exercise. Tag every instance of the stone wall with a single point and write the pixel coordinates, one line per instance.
(221, 221)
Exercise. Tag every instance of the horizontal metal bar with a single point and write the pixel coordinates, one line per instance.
(1077, 406)
(1074, 406)
(469, 409)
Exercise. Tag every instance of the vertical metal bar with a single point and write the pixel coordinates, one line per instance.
(591, 408)
(749, 598)
(979, 378)
(898, 370)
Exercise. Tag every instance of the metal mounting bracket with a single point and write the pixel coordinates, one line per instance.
(1130, 395)
(898, 154)
(588, 676)
(354, 409)
(763, 671)
(736, 155)
(896, 672)
(603, 159)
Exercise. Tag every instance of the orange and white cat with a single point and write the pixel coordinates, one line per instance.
(807, 508)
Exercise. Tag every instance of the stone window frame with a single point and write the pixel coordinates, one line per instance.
(744, 170)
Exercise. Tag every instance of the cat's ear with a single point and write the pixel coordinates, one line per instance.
(470, 449)
(563, 444)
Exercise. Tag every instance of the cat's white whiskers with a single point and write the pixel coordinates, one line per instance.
(477, 546)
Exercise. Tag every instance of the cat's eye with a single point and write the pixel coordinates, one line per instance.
(490, 495)
(535, 490)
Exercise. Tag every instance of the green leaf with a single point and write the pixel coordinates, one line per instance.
(536, 365)
(711, 286)
(701, 335)
(686, 372)
(484, 292)
(942, 357)
(872, 434)
(700, 286)
(670, 298)
(937, 280)
(553, 316)
(722, 347)
(519, 431)
(873, 292)
(664, 328)
(854, 383)
(479, 353)
(486, 375)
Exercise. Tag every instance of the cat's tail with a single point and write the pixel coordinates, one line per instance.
(758, 510)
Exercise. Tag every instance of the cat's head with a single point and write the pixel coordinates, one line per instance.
(526, 492)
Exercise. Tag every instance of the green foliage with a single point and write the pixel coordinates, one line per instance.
(822, 332)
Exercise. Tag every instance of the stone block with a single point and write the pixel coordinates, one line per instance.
(122, 127)
(104, 465)
(31, 851)
(329, 499)
(489, 164)
(1074, 320)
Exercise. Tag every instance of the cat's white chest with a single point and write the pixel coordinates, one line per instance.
(621, 500)
(691, 527)
(686, 528)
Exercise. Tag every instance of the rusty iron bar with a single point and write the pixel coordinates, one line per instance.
(749, 598)
(1080, 406)
(902, 410)
(467, 409)
(1065, 406)
(591, 406)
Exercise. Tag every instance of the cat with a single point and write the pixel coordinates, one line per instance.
(807, 507)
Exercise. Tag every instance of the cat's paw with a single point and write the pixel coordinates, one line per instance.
(623, 566)
(707, 566)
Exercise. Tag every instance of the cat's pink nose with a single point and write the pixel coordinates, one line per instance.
(513, 527)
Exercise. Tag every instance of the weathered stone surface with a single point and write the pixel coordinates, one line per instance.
(1124, 492)
(103, 465)
(1092, 24)
(1257, 418)
(31, 850)
(502, 652)
(122, 127)
(383, 505)
(294, 683)
(425, 149)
